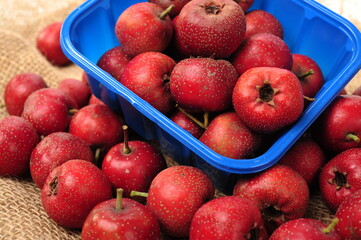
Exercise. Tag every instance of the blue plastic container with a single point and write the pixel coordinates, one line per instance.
(310, 29)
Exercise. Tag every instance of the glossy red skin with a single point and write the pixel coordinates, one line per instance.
(262, 116)
(245, 4)
(72, 190)
(48, 43)
(206, 35)
(78, 90)
(134, 170)
(174, 196)
(341, 117)
(280, 187)
(17, 139)
(261, 21)
(187, 124)
(139, 29)
(313, 83)
(349, 162)
(133, 222)
(18, 88)
(178, 5)
(262, 50)
(98, 125)
(228, 217)
(230, 137)
(94, 100)
(146, 75)
(48, 110)
(114, 61)
(53, 150)
(349, 216)
(203, 84)
(303, 229)
(305, 157)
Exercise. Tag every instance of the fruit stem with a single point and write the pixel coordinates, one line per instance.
(165, 13)
(331, 226)
(309, 98)
(126, 149)
(353, 137)
(73, 111)
(205, 120)
(135, 193)
(118, 204)
(97, 156)
(306, 74)
(191, 117)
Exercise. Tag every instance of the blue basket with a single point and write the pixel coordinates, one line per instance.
(310, 29)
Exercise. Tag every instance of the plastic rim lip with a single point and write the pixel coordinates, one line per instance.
(240, 166)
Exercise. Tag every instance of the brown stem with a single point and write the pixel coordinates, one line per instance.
(309, 98)
(126, 148)
(191, 117)
(73, 111)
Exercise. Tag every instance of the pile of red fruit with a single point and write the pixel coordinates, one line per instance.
(224, 74)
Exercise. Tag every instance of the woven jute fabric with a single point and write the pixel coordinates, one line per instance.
(21, 213)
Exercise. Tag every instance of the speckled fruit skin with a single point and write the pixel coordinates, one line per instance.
(48, 44)
(311, 84)
(134, 170)
(230, 137)
(178, 5)
(48, 110)
(303, 229)
(113, 61)
(147, 75)
(98, 125)
(18, 137)
(349, 215)
(261, 21)
(53, 150)
(140, 29)
(203, 84)
(228, 217)
(340, 177)
(305, 157)
(341, 117)
(262, 50)
(268, 99)
(76, 89)
(245, 4)
(18, 88)
(210, 28)
(133, 222)
(174, 196)
(187, 124)
(72, 190)
(279, 192)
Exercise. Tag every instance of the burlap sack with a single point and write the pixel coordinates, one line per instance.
(21, 212)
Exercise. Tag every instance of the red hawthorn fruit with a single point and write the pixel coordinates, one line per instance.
(18, 137)
(305, 157)
(307, 229)
(72, 190)
(261, 21)
(349, 215)
(268, 99)
(209, 28)
(17, 90)
(262, 50)
(279, 192)
(340, 177)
